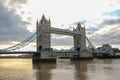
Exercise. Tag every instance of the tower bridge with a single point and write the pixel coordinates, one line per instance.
(43, 36)
(44, 41)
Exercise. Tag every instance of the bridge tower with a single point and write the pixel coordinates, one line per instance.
(80, 42)
(43, 42)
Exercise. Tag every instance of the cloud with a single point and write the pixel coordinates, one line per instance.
(111, 21)
(105, 29)
(110, 36)
(92, 28)
(101, 30)
(113, 18)
(113, 13)
(12, 27)
(13, 3)
(106, 35)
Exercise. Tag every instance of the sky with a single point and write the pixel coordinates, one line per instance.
(100, 17)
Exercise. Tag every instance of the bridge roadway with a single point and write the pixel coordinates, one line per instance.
(64, 31)
(35, 52)
(20, 52)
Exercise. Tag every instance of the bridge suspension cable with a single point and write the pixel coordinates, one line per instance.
(24, 42)
(37, 34)
(90, 45)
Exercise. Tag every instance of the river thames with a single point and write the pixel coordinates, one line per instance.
(63, 69)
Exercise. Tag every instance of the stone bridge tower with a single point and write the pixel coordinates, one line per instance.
(80, 41)
(43, 41)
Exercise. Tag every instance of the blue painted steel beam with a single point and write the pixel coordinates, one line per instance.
(64, 31)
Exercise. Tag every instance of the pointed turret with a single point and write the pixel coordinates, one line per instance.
(79, 27)
(37, 22)
(43, 19)
(49, 20)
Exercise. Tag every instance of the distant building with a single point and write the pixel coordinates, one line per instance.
(116, 50)
(105, 49)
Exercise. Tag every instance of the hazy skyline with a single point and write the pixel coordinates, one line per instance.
(100, 17)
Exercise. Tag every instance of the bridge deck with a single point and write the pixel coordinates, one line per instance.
(19, 52)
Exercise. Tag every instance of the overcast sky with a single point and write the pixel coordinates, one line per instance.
(101, 18)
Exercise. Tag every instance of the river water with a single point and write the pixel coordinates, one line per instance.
(63, 69)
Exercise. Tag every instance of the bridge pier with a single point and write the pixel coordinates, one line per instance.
(36, 57)
(45, 56)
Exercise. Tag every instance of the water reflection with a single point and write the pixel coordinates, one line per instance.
(42, 70)
(16, 69)
(108, 69)
(63, 69)
(81, 69)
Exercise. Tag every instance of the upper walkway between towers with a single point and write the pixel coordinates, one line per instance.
(64, 31)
